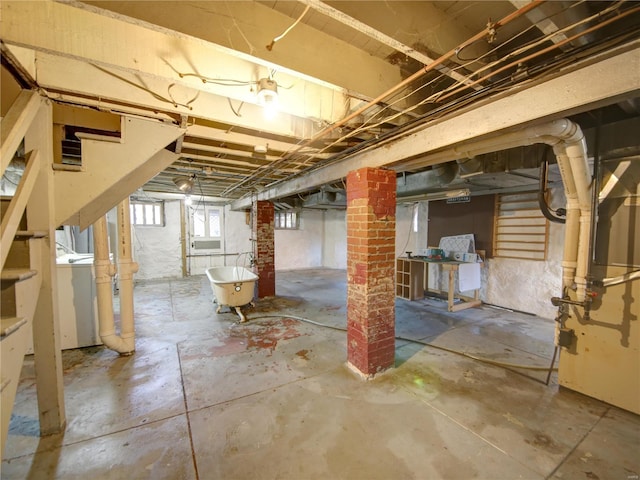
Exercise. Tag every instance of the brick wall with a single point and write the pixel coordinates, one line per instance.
(262, 229)
(371, 209)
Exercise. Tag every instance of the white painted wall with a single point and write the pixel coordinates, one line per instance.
(528, 285)
(157, 249)
(334, 248)
(321, 241)
(524, 285)
(302, 248)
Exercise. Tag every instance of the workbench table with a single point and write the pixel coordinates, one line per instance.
(412, 281)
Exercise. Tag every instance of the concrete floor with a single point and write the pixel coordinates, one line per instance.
(205, 397)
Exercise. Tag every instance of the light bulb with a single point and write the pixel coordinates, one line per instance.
(270, 108)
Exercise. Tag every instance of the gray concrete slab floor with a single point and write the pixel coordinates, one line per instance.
(205, 397)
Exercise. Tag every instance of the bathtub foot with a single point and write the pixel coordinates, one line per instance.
(242, 317)
(218, 308)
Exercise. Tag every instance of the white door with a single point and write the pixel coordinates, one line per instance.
(206, 241)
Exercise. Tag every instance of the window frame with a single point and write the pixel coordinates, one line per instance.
(287, 219)
(158, 213)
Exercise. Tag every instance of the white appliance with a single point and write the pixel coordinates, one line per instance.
(77, 302)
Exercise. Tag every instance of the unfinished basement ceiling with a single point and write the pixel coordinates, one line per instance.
(199, 65)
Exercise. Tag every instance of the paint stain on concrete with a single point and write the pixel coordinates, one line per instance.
(303, 354)
(263, 336)
(541, 440)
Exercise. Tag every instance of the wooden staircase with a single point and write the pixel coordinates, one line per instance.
(20, 286)
(27, 260)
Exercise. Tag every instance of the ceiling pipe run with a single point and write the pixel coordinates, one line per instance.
(399, 86)
(569, 147)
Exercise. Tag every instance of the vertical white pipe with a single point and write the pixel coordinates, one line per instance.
(126, 268)
(104, 272)
(570, 256)
(576, 150)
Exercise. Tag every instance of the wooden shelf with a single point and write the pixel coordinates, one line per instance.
(409, 279)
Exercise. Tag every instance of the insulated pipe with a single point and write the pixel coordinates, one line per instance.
(126, 268)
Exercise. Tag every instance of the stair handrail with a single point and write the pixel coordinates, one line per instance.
(17, 206)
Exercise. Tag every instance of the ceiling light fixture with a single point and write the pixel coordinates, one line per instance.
(184, 184)
(268, 97)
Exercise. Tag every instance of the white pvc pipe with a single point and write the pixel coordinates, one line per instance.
(569, 145)
(126, 268)
(571, 233)
(577, 152)
(104, 271)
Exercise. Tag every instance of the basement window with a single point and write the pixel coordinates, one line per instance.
(148, 214)
(520, 229)
(287, 220)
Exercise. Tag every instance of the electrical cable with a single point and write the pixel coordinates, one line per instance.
(521, 11)
(419, 342)
(494, 88)
(433, 98)
(283, 34)
(236, 113)
(454, 89)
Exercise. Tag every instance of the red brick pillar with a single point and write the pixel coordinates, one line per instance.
(262, 228)
(371, 226)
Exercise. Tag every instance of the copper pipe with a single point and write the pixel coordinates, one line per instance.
(427, 68)
(541, 52)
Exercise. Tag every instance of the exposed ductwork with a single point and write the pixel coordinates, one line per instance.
(500, 169)
(569, 146)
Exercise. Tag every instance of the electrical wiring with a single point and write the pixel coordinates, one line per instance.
(455, 89)
(155, 95)
(477, 358)
(460, 86)
(289, 155)
(236, 113)
(225, 82)
(283, 34)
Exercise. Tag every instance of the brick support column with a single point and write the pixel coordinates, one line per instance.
(262, 228)
(371, 224)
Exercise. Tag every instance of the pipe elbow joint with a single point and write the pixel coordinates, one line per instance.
(124, 345)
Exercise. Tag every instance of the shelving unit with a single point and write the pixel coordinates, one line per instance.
(409, 279)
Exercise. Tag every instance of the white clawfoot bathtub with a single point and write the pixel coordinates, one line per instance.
(232, 287)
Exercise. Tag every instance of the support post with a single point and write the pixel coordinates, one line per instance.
(371, 223)
(262, 229)
(46, 336)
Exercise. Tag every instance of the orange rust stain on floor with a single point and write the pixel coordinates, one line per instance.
(263, 336)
